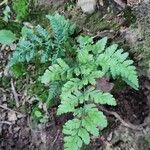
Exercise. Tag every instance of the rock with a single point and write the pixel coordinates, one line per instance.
(138, 37)
(20, 116)
(87, 6)
(16, 129)
(12, 116)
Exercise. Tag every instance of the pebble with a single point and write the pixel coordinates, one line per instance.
(87, 6)
(12, 116)
(16, 129)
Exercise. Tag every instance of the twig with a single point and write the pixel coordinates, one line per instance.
(30, 126)
(120, 3)
(14, 93)
(1, 89)
(3, 2)
(57, 134)
(6, 108)
(124, 123)
(5, 122)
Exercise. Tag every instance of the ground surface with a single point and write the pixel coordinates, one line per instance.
(129, 122)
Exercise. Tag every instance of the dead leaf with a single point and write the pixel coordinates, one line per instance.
(121, 3)
(104, 84)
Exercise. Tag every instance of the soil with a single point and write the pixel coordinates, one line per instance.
(133, 105)
(21, 133)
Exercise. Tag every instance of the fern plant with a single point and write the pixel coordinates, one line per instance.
(40, 46)
(79, 94)
(39, 43)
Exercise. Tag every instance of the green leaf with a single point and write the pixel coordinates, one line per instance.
(18, 70)
(99, 47)
(7, 37)
(84, 135)
(84, 40)
(38, 114)
(103, 123)
(46, 77)
(26, 31)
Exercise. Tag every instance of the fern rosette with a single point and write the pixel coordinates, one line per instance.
(75, 68)
(79, 94)
(38, 43)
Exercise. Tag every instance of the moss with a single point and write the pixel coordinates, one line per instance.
(21, 9)
(38, 14)
(5, 82)
(39, 90)
(93, 23)
(141, 48)
(15, 27)
(129, 16)
(97, 23)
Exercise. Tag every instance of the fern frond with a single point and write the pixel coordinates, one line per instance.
(71, 97)
(54, 90)
(22, 52)
(116, 61)
(84, 41)
(100, 97)
(42, 32)
(61, 27)
(99, 46)
(73, 85)
(78, 94)
(56, 72)
(78, 130)
(84, 56)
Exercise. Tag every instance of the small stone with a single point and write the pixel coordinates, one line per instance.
(87, 6)
(12, 116)
(16, 129)
(101, 2)
(1, 74)
(20, 116)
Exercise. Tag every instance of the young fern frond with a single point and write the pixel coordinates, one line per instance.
(79, 94)
(111, 59)
(40, 44)
(87, 121)
(115, 61)
(33, 44)
(54, 91)
(57, 72)
(62, 28)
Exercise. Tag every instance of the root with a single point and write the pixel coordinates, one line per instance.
(124, 123)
